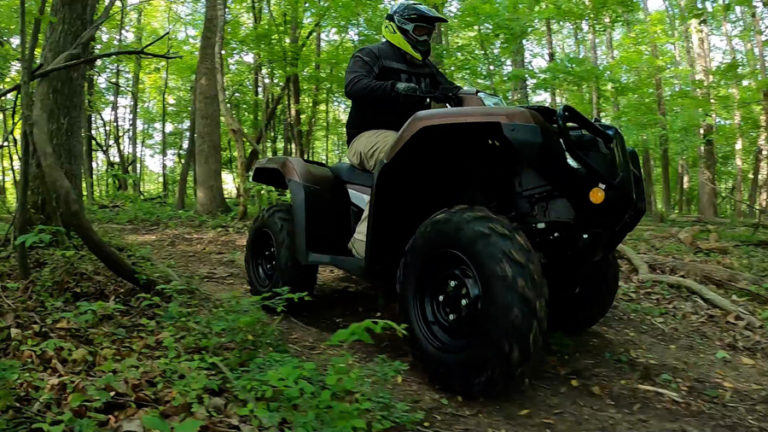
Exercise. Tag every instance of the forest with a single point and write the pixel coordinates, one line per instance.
(130, 129)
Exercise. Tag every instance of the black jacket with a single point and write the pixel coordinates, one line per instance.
(371, 77)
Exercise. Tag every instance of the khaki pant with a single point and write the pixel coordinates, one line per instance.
(366, 152)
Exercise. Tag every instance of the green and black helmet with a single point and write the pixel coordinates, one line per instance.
(410, 25)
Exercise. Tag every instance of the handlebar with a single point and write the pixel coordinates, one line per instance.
(568, 114)
(446, 94)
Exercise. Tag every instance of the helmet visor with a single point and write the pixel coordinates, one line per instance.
(419, 31)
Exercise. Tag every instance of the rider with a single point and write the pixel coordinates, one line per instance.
(385, 83)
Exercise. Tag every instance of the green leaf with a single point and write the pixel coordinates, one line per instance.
(76, 399)
(188, 425)
(156, 423)
(722, 355)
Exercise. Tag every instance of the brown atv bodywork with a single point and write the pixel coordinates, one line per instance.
(473, 114)
(439, 159)
(511, 160)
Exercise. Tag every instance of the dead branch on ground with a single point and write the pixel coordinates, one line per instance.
(645, 275)
(713, 274)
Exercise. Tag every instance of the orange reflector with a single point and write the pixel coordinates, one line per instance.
(597, 196)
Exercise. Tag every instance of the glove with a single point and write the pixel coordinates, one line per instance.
(407, 88)
(447, 94)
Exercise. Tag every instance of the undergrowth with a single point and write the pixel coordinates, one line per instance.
(81, 351)
(128, 209)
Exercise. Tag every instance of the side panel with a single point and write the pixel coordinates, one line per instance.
(321, 205)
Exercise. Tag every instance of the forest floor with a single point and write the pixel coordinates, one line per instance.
(656, 339)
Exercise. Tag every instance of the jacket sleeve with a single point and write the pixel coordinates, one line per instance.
(361, 82)
(442, 80)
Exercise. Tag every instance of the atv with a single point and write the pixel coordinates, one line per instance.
(494, 223)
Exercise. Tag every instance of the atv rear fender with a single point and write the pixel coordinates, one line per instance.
(320, 204)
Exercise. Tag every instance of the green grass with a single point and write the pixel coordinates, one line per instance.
(80, 346)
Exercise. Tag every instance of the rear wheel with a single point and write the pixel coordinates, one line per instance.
(581, 297)
(270, 258)
(473, 295)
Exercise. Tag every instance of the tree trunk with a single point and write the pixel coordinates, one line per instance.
(58, 112)
(273, 141)
(550, 61)
(673, 26)
(328, 122)
(596, 112)
(233, 125)
(12, 145)
(308, 137)
(738, 184)
(755, 184)
(294, 54)
(650, 194)
(135, 88)
(689, 54)
(519, 79)
(758, 197)
(257, 9)
(28, 48)
(707, 159)
(577, 38)
(189, 158)
(122, 180)
(683, 182)
(661, 110)
(612, 57)
(142, 147)
(287, 147)
(60, 37)
(210, 191)
(164, 130)
(3, 143)
(88, 134)
(164, 116)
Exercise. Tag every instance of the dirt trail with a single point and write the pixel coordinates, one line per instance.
(654, 336)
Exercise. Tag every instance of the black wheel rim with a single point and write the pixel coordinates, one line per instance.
(263, 262)
(448, 302)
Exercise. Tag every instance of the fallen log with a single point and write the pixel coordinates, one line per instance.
(644, 275)
(712, 274)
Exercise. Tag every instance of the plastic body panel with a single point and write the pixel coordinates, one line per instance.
(518, 162)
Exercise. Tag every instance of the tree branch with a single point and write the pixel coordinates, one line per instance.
(49, 70)
(62, 63)
(85, 38)
(644, 275)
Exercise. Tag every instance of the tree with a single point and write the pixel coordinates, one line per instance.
(210, 191)
(69, 35)
(738, 185)
(662, 117)
(756, 197)
(707, 156)
(233, 124)
(135, 96)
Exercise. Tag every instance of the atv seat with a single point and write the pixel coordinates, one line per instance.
(351, 175)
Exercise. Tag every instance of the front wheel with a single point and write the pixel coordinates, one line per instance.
(270, 257)
(473, 296)
(581, 297)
